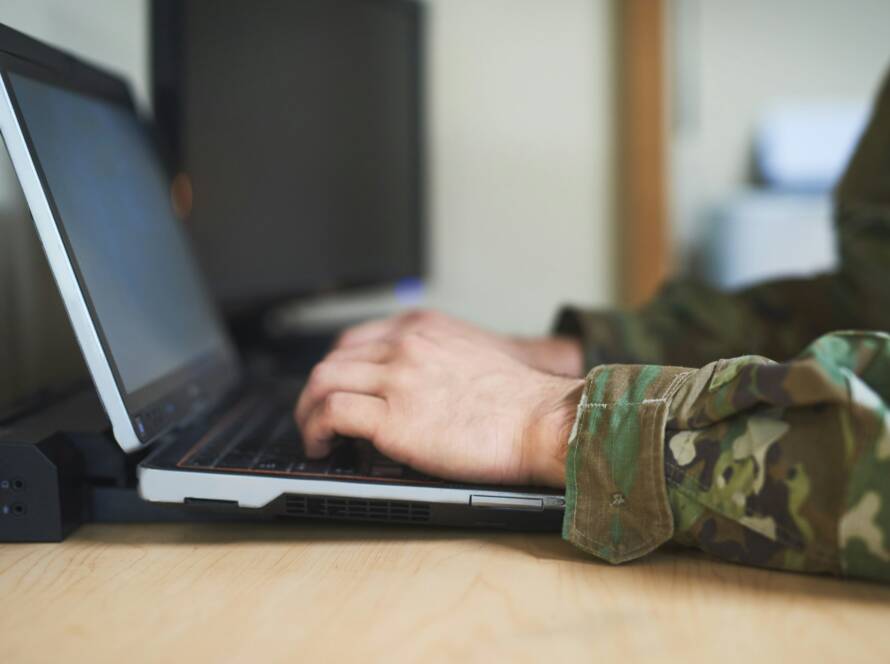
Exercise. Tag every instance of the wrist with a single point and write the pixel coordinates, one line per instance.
(547, 443)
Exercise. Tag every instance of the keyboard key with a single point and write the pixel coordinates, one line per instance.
(279, 465)
(317, 467)
(389, 470)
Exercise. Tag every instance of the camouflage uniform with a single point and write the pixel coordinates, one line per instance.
(781, 462)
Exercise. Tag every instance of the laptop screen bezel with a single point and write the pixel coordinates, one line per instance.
(168, 401)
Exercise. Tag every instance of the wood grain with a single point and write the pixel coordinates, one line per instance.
(328, 592)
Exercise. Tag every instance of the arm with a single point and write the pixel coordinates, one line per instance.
(775, 464)
(690, 324)
(779, 465)
(784, 465)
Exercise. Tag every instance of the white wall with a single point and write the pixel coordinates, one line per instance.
(738, 58)
(521, 156)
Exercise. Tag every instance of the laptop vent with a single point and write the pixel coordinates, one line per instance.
(357, 508)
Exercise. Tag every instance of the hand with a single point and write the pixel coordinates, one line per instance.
(444, 406)
(557, 355)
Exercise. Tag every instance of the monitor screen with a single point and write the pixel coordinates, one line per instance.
(132, 258)
(298, 122)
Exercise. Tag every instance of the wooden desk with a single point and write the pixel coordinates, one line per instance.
(330, 593)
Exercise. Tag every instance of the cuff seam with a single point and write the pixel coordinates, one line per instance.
(644, 402)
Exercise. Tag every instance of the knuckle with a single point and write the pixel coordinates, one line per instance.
(334, 355)
(344, 339)
(420, 319)
(332, 406)
(328, 406)
(337, 356)
(320, 374)
(428, 316)
(297, 410)
(387, 348)
(325, 412)
(411, 345)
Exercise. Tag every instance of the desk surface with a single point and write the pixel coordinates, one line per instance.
(329, 592)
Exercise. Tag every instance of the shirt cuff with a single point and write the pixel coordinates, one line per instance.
(616, 496)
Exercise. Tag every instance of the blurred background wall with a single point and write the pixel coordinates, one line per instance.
(521, 104)
(733, 65)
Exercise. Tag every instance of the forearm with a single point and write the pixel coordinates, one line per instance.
(690, 324)
(781, 465)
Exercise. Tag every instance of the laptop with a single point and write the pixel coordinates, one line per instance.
(215, 436)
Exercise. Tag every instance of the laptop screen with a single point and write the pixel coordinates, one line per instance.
(112, 201)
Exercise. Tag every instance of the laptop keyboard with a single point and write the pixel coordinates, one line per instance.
(266, 440)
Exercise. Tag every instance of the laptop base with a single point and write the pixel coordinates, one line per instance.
(297, 507)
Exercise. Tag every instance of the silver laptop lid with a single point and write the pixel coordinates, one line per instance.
(99, 197)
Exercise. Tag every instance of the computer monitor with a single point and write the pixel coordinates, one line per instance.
(299, 125)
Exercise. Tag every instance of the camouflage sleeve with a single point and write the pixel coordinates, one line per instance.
(690, 324)
(783, 465)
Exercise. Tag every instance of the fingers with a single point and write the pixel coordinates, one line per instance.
(341, 376)
(344, 414)
(389, 328)
(378, 352)
(374, 330)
